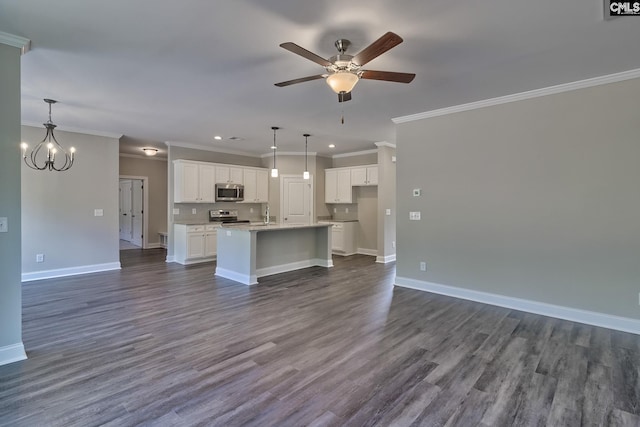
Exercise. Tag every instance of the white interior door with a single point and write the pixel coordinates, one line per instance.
(296, 197)
(125, 210)
(136, 212)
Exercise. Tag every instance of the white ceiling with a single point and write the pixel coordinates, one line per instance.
(184, 71)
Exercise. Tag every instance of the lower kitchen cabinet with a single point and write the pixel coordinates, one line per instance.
(343, 237)
(194, 243)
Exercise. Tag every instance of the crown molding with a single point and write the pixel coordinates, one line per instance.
(77, 130)
(205, 148)
(143, 157)
(355, 153)
(385, 144)
(16, 41)
(551, 90)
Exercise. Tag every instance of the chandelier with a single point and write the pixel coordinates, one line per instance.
(55, 157)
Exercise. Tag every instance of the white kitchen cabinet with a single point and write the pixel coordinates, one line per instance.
(195, 243)
(337, 186)
(343, 237)
(194, 182)
(229, 175)
(364, 175)
(256, 186)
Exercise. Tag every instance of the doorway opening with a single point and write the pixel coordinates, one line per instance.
(133, 212)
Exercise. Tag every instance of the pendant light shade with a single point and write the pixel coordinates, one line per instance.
(305, 174)
(274, 147)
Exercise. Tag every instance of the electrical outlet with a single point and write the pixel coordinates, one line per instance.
(4, 224)
(98, 212)
(417, 192)
(423, 266)
(39, 257)
(250, 210)
(176, 211)
(387, 212)
(335, 210)
(414, 216)
(194, 211)
(346, 210)
(393, 244)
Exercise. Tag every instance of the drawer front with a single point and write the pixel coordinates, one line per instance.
(211, 227)
(195, 228)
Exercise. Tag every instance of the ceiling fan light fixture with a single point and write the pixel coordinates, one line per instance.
(342, 81)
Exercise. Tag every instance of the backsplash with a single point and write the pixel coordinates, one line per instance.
(344, 212)
(202, 211)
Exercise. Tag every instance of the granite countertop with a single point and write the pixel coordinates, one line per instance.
(338, 220)
(270, 227)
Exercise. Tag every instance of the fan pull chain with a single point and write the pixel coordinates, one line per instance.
(342, 118)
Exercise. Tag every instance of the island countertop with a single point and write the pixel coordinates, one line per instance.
(270, 227)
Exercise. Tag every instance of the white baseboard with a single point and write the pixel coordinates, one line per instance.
(371, 252)
(385, 259)
(154, 246)
(12, 353)
(245, 279)
(171, 258)
(298, 265)
(624, 324)
(70, 271)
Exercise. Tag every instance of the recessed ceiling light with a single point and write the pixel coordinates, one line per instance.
(332, 145)
(217, 137)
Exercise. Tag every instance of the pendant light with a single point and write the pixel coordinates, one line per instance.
(305, 174)
(37, 159)
(274, 147)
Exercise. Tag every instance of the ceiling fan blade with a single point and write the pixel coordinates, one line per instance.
(292, 47)
(388, 76)
(300, 80)
(377, 48)
(344, 96)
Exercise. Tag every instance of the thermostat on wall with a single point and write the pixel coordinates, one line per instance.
(417, 192)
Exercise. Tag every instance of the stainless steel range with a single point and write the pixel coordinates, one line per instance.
(225, 217)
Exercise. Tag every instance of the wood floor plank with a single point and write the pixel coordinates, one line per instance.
(161, 344)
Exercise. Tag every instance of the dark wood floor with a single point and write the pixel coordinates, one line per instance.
(163, 344)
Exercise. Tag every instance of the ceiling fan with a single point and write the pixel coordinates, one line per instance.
(343, 71)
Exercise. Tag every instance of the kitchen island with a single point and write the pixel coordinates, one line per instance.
(249, 251)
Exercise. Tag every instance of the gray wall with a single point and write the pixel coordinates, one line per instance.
(156, 171)
(58, 207)
(367, 215)
(386, 200)
(10, 292)
(355, 160)
(536, 199)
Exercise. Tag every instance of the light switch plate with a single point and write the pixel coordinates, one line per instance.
(387, 212)
(98, 212)
(414, 216)
(417, 192)
(4, 225)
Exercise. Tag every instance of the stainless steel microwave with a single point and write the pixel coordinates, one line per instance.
(229, 192)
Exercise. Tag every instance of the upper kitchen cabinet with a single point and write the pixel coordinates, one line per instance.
(229, 175)
(364, 175)
(338, 186)
(193, 182)
(256, 186)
